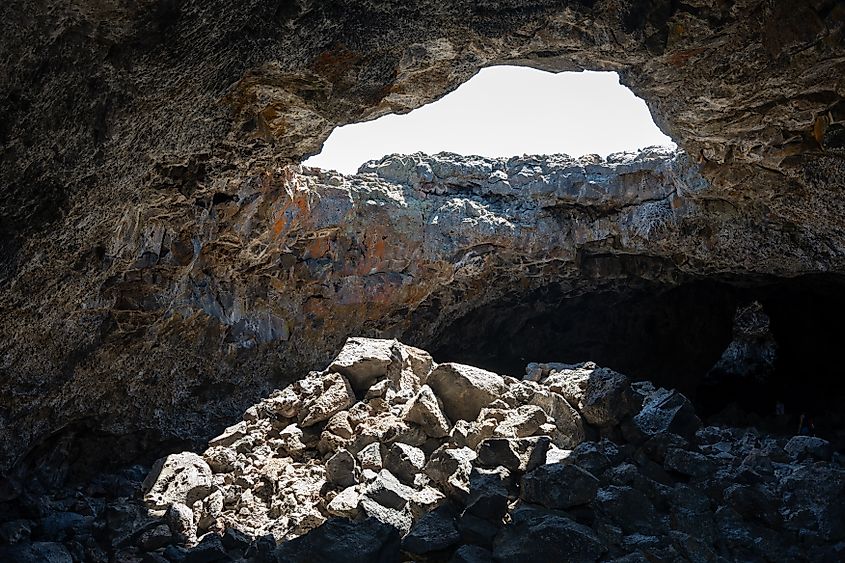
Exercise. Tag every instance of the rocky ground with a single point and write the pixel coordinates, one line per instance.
(388, 456)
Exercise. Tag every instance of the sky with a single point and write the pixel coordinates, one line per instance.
(506, 111)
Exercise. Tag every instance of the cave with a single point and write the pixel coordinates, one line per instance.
(673, 336)
(168, 264)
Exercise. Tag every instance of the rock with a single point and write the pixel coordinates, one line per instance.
(363, 361)
(435, 531)
(180, 520)
(569, 423)
(59, 526)
(229, 436)
(235, 539)
(812, 499)
(627, 508)
(486, 505)
(602, 396)
(155, 538)
(36, 552)
(522, 454)
(15, 531)
(341, 469)
(345, 503)
(388, 491)
(425, 409)
(365, 541)
(183, 478)
(808, 447)
(450, 469)
(686, 462)
(336, 395)
(521, 422)
(559, 486)
(472, 554)
(209, 549)
(665, 411)
(399, 518)
(404, 461)
(465, 390)
(536, 535)
(370, 457)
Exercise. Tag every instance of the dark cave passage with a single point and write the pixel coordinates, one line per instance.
(673, 336)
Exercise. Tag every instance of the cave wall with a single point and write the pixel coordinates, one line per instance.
(146, 151)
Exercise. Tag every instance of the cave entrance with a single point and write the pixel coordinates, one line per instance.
(674, 336)
(505, 111)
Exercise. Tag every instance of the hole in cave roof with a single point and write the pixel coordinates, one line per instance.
(505, 111)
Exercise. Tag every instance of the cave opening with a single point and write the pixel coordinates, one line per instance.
(504, 111)
(677, 336)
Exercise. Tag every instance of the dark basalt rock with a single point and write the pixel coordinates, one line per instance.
(341, 540)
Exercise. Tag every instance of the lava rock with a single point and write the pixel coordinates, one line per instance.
(363, 361)
(536, 535)
(465, 390)
(436, 531)
(559, 486)
(808, 447)
(365, 541)
(426, 410)
(404, 461)
(184, 478)
(601, 395)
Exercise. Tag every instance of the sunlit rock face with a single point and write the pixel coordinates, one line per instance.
(162, 263)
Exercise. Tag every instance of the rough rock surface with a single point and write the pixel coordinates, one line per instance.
(714, 493)
(162, 266)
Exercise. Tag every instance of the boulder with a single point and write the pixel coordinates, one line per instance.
(601, 395)
(345, 503)
(426, 410)
(808, 447)
(689, 463)
(184, 478)
(664, 411)
(536, 535)
(36, 552)
(404, 461)
(334, 395)
(559, 486)
(338, 539)
(435, 531)
(628, 508)
(341, 469)
(388, 491)
(520, 454)
(363, 361)
(465, 390)
(450, 468)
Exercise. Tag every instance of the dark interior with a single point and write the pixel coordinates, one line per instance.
(671, 335)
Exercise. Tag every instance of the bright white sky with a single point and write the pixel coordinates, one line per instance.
(506, 111)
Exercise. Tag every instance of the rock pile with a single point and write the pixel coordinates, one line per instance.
(388, 456)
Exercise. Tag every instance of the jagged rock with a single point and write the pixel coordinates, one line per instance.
(602, 396)
(399, 518)
(688, 462)
(465, 390)
(342, 469)
(180, 520)
(522, 454)
(388, 491)
(536, 535)
(209, 550)
(524, 421)
(229, 436)
(803, 447)
(559, 486)
(404, 461)
(36, 552)
(345, 503)
(627, 508)
(370, 457)
(594, 457)
(426, 410)
(665, 411)
(183, 478)
(435, 531)
(336, 394)
(812, 499)
(365, 541)
(450, 469)
(155, 538)
(363, 361)
(569, 422)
